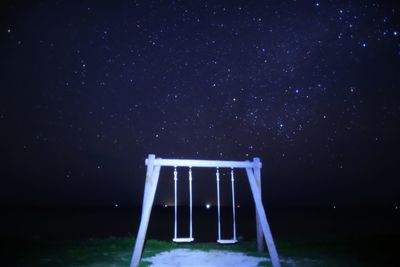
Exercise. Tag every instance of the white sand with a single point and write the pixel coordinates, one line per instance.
(198, 258)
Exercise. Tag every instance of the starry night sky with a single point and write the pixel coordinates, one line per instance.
(89, 89)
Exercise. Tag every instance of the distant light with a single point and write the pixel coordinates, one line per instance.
(116, 205)
(317, 4)
(396, 208)
(395, 33)
(364, 45)
(208, 206)
(334, 207)
(165, 206)
(238, 206)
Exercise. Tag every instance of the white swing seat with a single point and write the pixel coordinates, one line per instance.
(227, 241)
(183, 240)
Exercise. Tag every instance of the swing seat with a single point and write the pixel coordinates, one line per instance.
(183, 240)
(227, 241)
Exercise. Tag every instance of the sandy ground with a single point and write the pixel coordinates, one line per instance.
(198, 258)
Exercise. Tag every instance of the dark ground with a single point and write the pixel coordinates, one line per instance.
(358, 237)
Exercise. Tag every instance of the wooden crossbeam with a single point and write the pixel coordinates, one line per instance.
(204, 163)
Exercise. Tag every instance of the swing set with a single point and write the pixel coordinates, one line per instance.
(254, 176)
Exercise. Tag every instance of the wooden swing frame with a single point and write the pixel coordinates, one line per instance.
(253, 170)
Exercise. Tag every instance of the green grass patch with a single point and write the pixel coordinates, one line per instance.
(117, 251)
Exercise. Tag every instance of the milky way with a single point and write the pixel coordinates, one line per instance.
(89, 89)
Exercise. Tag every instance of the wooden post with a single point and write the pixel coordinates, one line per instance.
(149, 172)
(263, 219)
(152, 175)
(257, 176)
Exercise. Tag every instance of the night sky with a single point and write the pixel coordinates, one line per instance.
(89, 89)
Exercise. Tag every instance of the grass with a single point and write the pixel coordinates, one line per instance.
(116, 251)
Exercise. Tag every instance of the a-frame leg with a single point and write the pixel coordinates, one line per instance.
(152, 176)
(263, 219)
(259, 231)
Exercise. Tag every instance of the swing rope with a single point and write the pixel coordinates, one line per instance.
(218, 204)
(226, 241)
(191, 202)
(233, 204)
(190, 238)
(176, 203)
